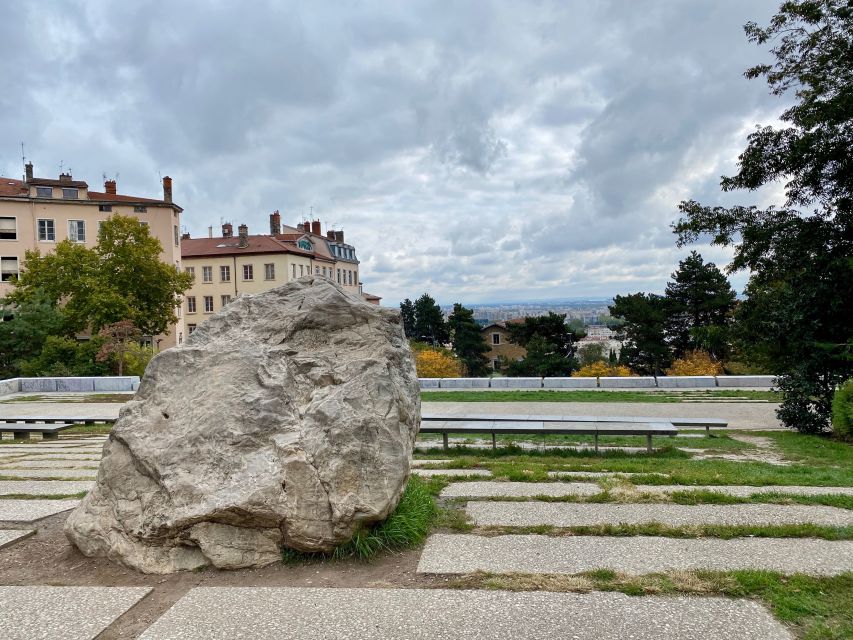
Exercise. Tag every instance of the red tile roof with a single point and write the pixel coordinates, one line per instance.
(199, 247)
(50, 182)
(115, 197)
(9, 187)
(12, 188)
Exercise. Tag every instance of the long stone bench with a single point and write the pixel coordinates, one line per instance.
(23, 430)
(717, 423)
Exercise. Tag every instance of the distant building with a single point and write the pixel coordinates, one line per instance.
(496, 336)
(600, 334)
(36, 213)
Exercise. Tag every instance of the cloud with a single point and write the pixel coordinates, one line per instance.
(478, 151)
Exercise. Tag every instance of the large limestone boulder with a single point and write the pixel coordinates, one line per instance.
(287, 419)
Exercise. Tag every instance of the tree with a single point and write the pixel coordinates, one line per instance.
(62, 356)
(543, 359)
(799, 312)
(645, 350)
(590, 352)
(121, 278)
(701, 300)
(695, 363)
(549, 343)
(25, 329)
(429, 321)
(601, 368)
(437, 363)
(118, 336)
(407, 313)
(467, 341)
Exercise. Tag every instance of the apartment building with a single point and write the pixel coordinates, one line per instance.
(36, 213)
(228, 266)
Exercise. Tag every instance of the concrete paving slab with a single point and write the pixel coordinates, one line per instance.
(44, 450)
(29, 511)
(602, 474)
(48, 474)
(518, 489)
(70, 613)
(48, 464)
(463, 553)
(527, 514)
(43, 487)
(9, 537)
(429, 473)
(744, 491)
(441, 614)
(61, 456)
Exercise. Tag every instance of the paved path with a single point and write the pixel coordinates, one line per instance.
(48, 464)
(527, 514)
(49, 474)
(430, 473)
(107, 410)
(11, 536)
(460, 553)
(738, 415)
(69, 613)
(28, 511)
(409, 614)
(43, 487)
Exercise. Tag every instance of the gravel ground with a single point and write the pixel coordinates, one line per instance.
(409, 614)
(70, 613)
(43, 487)
(458, 554)
(11, 536)
(526, 514)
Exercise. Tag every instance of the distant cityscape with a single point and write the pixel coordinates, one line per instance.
(589, 310)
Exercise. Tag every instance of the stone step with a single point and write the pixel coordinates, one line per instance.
(43, 487)
(464, 553)
(29, 511)
(440, 614)
(70, 613)
(527, 514)
(9, 537)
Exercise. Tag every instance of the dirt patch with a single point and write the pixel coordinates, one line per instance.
(765, 451)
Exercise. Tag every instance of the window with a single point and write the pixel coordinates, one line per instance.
(248, 272)
(105, 207)
(350, 278)
(496, 338)
(8, 228)
(191, 271)
(47, 231)
(143, 223)
(301, 270)
(339, 276)
(294, 271)
(496, 363)
(225, 273)
(77, 230)
(225, 300)
(207, 274)
(8, 268)
(44, 192)
(269, 271)
(177, 235)
(190, 304)
(69, 194)
(191, 328)
(140, 209)
(208, 304)
(316, 270)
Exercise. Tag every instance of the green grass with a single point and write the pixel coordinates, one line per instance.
(54, 496)
(407, 527)
(589, 395)
(89, 428)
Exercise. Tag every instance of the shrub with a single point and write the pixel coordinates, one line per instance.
(437, 363)
(67, 357)
(601, 368)
(842, 410)
(695, 363)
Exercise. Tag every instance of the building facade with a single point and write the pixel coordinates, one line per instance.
(37, 213)
(228, 266)
(496, 336)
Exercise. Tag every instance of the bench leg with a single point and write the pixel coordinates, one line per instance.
(21, 435)
(649, 442)
(444, 441)
(494, 441)
(50, 435)
(596, 442)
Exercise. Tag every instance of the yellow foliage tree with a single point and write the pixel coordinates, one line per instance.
(601, 368)
(432, 363)
(695, 363)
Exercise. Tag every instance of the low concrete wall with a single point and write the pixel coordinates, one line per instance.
(686, 382)
(81, 384)
(746, 381)
(606, 382)
(10, 386)
(570, 383)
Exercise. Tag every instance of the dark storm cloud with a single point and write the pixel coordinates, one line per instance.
(477, 150)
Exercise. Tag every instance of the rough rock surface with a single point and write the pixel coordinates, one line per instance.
(287, 419)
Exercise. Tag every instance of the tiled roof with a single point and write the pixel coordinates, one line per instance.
(200, 247)
(12, 188)
(116, 197)
(49, 182)
(9, 187)
(370, 296)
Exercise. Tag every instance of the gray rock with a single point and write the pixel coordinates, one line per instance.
(287, 419)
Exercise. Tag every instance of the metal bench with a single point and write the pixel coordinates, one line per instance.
(22, 430)
(431, 423)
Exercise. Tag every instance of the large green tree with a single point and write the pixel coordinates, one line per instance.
(700, 304)
(407, 313)
(121, 278)
(549, 342)
(799, 310)
(467, 341)
(25, 328)
(430, 325)
(645, 316)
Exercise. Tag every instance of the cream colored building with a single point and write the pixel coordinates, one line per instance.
(228, 266)
(37, 213)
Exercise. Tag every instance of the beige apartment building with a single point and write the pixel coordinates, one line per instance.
(228, 266)
(36, 213)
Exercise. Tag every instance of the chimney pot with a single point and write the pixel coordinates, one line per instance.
(185, 236)
(275, 223)
(167, 189)
(110, 187)
(29, 169)
(243, 230)
(65, 177)
(315, 228)
(227, 230)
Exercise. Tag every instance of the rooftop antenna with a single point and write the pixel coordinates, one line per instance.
(23, 157)
(60, 166)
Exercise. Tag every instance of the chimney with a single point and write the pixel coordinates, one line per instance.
(110, 186)
(243, 230)
(315, 228)
(339, 235)
(300, 227)
(275, 223)
(227, 230)
(167, 189)
(185, 236)
(65, 177)
(330, 234)
(29, 169)
(210, 231)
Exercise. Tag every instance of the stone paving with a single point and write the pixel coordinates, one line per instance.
(528, 514)
(77, 457)
(61, 474)
(429, 473)
(69, 613)
(381, 614)
(48, 464)
(11, 536)
(463, 553)
(28, 511)
(43, 487)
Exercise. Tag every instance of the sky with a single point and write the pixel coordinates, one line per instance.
(477, 151)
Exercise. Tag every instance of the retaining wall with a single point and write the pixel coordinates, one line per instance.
(604, 382)
(51, 385)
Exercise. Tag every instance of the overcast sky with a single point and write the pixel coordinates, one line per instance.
(478, 151)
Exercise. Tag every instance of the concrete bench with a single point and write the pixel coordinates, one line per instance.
(55, 419)
(23, 430)
(553, 425)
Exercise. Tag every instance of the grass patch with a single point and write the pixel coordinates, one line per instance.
(52, 496)
(407, 527)
(89, 428)
(589, 395)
